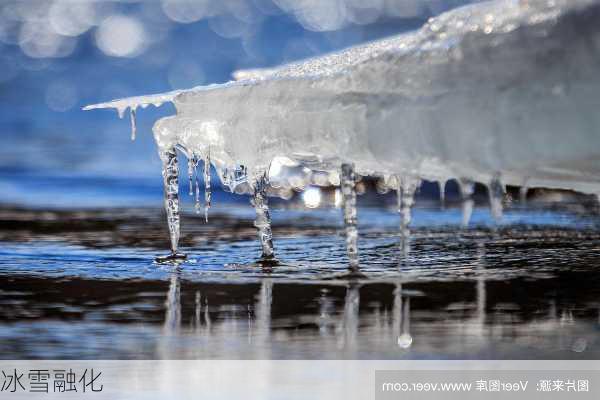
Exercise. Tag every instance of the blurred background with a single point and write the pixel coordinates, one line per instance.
(57, 56)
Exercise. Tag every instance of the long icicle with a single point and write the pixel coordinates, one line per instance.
(171, 190)
(207, 190)
(262, 220)
(133, 123)
(191, 171)
(442, 187)
(467, 188)
(348, 183)
(405, 192)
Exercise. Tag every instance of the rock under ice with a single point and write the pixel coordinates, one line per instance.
(502, 92)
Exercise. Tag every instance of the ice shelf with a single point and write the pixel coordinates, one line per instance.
(501, 92)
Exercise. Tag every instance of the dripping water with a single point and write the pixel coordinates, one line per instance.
(207, 189)
(405, 191)
(348, 183)
(262, 220)
(467, 189)
(133, 123)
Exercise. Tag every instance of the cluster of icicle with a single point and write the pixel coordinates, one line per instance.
(501, 92)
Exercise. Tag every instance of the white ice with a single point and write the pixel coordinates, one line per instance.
(505, 88)
(503, 92)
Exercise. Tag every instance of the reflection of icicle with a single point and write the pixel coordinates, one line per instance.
(207, 191)
(481, 288)
(350, 317)
(263, 308)
(348, 183)
(171, 188)
(173, 306)
(405, 191)
(325, 311)
(467, 188)
(496, 193)
(197, 310)
(133, 123)
(262, 220)
(401, 319)
(206, 315)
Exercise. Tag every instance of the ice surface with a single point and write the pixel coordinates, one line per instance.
(502, 92)
(504, 88)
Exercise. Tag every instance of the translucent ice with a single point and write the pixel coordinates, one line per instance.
(503, 88)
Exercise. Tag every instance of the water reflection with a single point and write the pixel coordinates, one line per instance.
(516, 293)
(377, 320)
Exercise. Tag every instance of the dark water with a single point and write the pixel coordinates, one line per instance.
(84, 284)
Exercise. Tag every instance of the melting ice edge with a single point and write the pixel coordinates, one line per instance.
(501, 92)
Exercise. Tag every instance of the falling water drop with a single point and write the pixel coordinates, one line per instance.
(133, 123)
(207, 190)
(262, 221)
(496, 194)
(405, 191)
(467, 189)
(348, 183)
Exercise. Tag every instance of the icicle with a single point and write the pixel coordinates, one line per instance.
(467, 189)
(171, 189)
(133, 123)
(121, 112)
(193, 179)
(197, 189)
(348, 183)
(207, 191)
(442, 187)
(496, 194)
(263, 218)
(191, 170)
(523, 193)
(405, 192)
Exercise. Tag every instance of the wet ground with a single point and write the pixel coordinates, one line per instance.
(84, 284)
